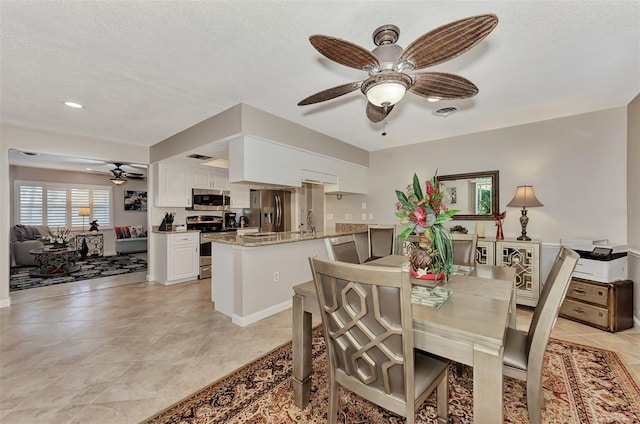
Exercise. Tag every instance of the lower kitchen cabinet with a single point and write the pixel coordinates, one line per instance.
(180, 252)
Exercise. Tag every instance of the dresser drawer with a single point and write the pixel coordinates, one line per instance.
(586, 292)
(584, 312)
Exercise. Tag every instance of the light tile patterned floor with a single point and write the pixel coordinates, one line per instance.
(118, 351)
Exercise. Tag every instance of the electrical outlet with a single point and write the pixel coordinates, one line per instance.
(276, 277)
(364, 205)
(364, 216)
(347, 216)
(370, 217)
(329, 216)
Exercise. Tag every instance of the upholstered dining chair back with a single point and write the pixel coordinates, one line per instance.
(368, 327)
(464, 248)
(524, 352)
(343, 249)
(382, 241)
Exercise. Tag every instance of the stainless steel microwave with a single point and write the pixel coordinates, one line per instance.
(210, 200)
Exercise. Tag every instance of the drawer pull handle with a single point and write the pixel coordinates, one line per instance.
(580, 291)
(578, 310)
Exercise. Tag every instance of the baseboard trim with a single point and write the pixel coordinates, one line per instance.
(243, 321)
(5, 303)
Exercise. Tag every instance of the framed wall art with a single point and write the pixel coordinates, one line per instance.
(135, 200)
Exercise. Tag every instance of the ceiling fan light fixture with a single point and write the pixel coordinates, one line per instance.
(433, 99)
(386, 93)
(386, 89)
(118, 181)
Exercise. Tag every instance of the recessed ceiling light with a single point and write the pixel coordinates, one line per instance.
(433, 99)
(74, 105)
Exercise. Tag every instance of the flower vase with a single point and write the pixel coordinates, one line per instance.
(421, 261)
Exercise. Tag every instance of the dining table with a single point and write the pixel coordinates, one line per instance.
(469, 328)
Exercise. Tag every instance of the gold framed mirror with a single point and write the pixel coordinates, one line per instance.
(475, 194)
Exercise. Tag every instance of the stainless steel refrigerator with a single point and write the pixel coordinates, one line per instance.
(274, 207)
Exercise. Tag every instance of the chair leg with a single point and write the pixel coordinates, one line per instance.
(535, 401)
(443, 398)
(333, 402)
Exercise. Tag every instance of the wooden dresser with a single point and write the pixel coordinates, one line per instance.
(608, 306)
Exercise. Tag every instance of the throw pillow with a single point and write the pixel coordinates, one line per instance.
(122, 232)
(26, 232)
(137, 231)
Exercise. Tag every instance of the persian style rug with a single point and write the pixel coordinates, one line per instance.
(90, 267)
(582, 385)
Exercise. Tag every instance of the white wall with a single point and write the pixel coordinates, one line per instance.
(41, 141)
(577, 166)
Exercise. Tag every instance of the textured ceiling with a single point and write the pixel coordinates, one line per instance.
(146, 70)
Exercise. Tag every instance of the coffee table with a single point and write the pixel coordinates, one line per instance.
(54, 262)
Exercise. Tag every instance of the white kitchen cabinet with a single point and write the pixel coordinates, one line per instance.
(179, 256)
(202, 178)
(240, 196)
(221, 182)
(173, 188)
(207, 179)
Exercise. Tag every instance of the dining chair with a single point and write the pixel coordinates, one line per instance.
(343, 249)
(382, 241)
(368, 329)
(464, 248)
(524, 351)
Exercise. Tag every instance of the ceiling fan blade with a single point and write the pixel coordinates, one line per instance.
(343, 52)
(443, 86)
(377, 113)
(330, 93)
(448, 41)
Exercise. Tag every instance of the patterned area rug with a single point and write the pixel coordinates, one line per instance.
(104, 266)
(582, 385)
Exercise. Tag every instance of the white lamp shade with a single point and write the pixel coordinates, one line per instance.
(388, 93)
(525, 197)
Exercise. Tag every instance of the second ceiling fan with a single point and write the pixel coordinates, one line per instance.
(392, 69)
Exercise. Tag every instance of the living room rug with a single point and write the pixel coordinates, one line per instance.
(581, 385)
(90, 267)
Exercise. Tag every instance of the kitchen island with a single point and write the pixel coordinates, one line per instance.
(253, 275)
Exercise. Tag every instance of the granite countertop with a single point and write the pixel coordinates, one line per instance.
(266, 239)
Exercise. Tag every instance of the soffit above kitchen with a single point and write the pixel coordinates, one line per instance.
(148, 70)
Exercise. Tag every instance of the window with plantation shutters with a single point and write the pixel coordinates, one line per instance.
(30, 202)
(57, 205)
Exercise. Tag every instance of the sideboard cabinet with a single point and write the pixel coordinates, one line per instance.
(523, 256)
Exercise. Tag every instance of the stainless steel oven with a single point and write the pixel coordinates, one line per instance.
(205, 224)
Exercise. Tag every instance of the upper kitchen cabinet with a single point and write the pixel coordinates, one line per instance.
(173, 185)
(208, 179)
(266, 162)
(240, 196)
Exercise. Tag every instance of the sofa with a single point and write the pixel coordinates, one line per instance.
(24, 238)
(130, 239)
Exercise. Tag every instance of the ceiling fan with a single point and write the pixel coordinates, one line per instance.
(391, 68)
(118, 175)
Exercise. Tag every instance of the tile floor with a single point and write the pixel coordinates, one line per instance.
(117, 350)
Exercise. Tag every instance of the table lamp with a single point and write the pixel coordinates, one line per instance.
(84, 212)
(526, 198)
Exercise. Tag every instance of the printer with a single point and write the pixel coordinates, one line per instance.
(599, 260)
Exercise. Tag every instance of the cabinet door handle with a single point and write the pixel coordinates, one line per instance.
(578, 310)
(579, 291)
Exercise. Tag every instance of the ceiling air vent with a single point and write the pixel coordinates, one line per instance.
(201, 157)
(445, 111)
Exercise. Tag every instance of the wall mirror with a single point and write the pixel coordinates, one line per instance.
(475, 194)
